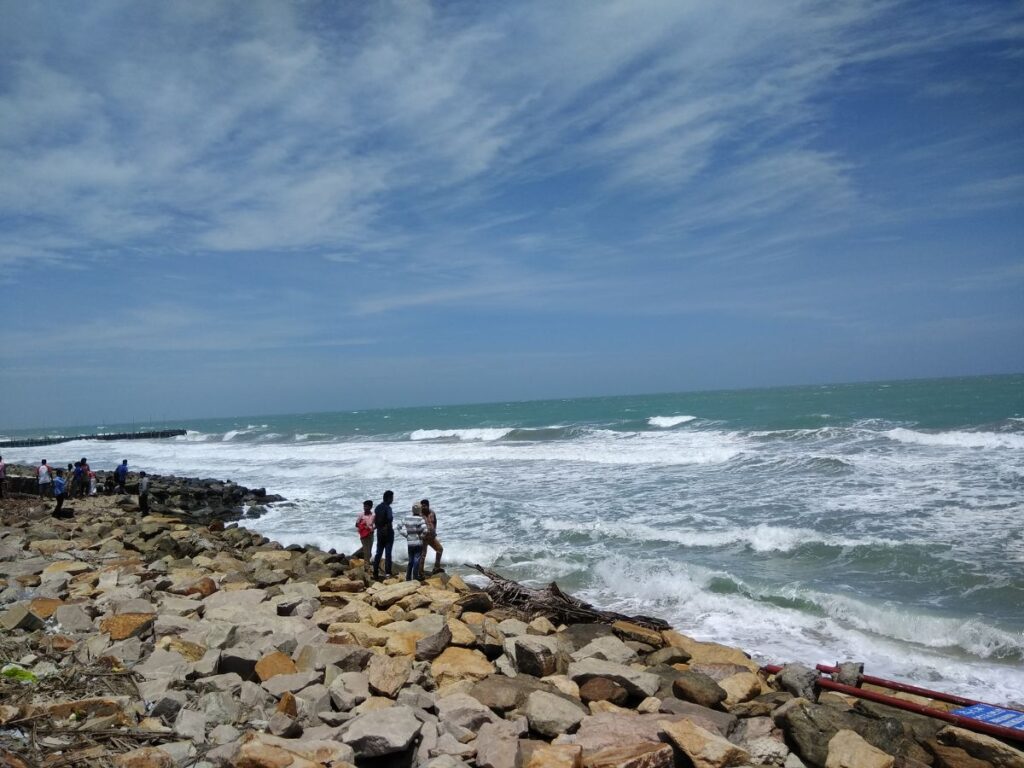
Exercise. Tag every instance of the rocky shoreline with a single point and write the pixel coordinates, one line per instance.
(179, 640)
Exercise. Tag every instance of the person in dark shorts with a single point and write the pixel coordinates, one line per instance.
(383, 524)
(3, 476)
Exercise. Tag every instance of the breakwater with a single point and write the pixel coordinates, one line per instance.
(155, 641)
(29, 442)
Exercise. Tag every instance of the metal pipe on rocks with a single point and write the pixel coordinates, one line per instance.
(968, 723)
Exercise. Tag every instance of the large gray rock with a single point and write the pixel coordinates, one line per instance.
(497, 743)
(502, 694)
(432, 646)
(609, 648)
(464, 711)
(637, 682)
(349, 689)
(73, 618)
(698, 688)
(536, 655)
(387, 674)
(382, 732)
(809, 728)
(551, 715)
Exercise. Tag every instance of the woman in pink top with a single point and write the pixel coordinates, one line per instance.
(364, 525)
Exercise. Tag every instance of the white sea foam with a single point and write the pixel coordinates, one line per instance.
(665, 422)
(958, 439)
(759, 538)
(486, 435)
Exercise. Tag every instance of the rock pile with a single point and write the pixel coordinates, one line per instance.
(199, 500)
(155, 642)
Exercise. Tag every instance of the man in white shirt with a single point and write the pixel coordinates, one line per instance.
(43, 473)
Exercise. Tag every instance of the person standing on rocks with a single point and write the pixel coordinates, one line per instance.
(364, 525)
(430, 537)
(414, 530)
(143, 493)
(43, 474)
(58, 493)
(3, 476)
(383, 523)
(121, 475)
(83, 481)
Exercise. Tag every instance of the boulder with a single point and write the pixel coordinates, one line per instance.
(740, 687)
(982, 747)
(457, 664)
(809, 728)
(382, 732)
(638, 683)
(502, 694)
(497, 743)
(349, 689)
(550, 715)
(609, 648)
(125, 625)
(644, 755)
(535, 655)
(627, 630)
(432, 646)
(556, 756)
(464, 711)
(698, 688)
(273, 664)
(602, 689)
(708, 652)
(704, 748)
(848, 750)
(387, 596)
(388, 674)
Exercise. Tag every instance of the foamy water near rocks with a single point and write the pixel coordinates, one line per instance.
(159, 641)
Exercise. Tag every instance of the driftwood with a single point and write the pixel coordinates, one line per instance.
(553, 603)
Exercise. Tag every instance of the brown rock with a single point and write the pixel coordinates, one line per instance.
(204, 587)
(954, 757)
(556, 756)
(145, 757)
(627, 630)
(740, 688)
(126, 625)
(982, 747)
(633, 756)
(44, 607)
(603, 689)
(698, 688)
(456, 664)
(62, 643)
(848, 750)
(704, 748)
(288, 705)
(711, 653)
(190, 651)
(273, 664)
(340, 584)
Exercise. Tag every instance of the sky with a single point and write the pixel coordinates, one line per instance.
(241, 208)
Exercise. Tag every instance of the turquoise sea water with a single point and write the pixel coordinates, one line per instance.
(882, 522)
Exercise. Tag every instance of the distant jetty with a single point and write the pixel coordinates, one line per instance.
(31, 441)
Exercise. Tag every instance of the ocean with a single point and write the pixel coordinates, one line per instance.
(879, 522)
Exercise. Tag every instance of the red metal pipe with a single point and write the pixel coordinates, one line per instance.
(964, 722)
(905, 688)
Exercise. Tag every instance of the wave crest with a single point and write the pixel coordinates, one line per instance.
(667, 422)
(957, 439)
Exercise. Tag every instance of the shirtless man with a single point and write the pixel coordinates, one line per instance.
(430, 539)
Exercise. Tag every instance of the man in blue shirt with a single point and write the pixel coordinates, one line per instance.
(383, 524)
(121, 475)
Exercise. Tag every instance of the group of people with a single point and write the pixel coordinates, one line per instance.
(80, 480)
(419, 529)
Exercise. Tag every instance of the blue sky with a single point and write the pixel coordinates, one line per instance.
(239, 207)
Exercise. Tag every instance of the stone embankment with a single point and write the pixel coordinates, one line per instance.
(156, 642)
(200, 500)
